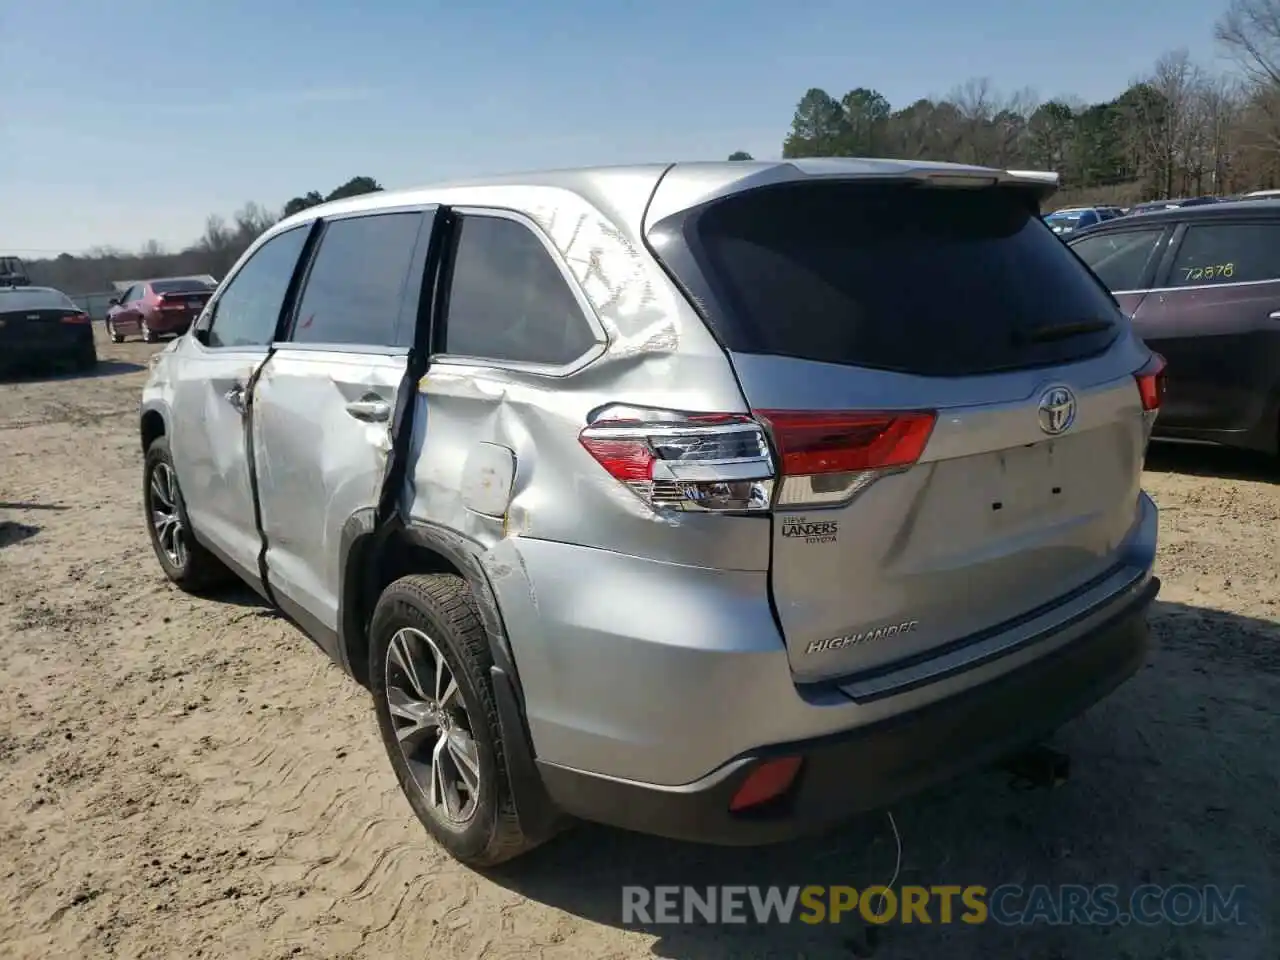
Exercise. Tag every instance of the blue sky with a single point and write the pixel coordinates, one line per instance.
(132, 120)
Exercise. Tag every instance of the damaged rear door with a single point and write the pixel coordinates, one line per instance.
(325, 402)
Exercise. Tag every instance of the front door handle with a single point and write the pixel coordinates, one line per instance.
(370, 410)
(235, 397)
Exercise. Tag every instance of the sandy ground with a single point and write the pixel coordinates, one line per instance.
(192, 778)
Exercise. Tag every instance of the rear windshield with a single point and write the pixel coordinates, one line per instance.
(931, 281)
(180, 286)
(34, 298)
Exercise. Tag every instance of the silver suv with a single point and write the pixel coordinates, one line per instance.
(718, 501)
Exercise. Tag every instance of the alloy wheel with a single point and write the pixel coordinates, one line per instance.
(166, 519)
(432, 727)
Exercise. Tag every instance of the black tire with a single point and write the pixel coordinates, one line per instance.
(442, 607)
(200, 569)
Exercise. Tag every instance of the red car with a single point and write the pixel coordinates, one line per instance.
(155, 308)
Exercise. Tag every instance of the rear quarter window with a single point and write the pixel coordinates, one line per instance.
(1119, 258)
(930, 281)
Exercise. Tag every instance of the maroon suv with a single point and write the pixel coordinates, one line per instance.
(1202, 284)
(155, 308)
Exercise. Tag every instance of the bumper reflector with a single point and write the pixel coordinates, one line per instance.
(768, 781)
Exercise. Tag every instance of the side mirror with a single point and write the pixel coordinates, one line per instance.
(113, 302)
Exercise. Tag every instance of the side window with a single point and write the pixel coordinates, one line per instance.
(247, 312)
(1227, 253)
(508, 300)
(1119, 259)
(128, 295)
(357, 284)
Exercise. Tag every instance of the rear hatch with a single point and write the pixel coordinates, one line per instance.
(951, 396)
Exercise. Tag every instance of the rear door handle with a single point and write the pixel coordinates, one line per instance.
(370, 409)
(235, 397)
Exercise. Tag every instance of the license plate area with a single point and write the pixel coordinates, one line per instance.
(1028, 483)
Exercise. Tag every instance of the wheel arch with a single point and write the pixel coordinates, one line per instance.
(371, 557)
(152, 425)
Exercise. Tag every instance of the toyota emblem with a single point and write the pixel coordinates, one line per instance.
(1057, 410)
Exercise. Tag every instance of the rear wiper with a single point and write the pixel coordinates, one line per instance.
(1063, 331)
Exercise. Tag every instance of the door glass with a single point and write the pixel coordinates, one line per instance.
(249, 308)
(1227, 253)
(356, 286)
(1119, 259)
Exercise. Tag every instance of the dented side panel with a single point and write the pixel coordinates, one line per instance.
(657, 353)
(321, 454)
(208, 442)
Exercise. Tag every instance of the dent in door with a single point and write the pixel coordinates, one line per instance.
(227, 467)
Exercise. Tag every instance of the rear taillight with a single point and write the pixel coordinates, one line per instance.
(166, 304)
(829, 456)
(1151, 383)
(1151, 392)
(724, 463)
(682, 461)
(76, 318)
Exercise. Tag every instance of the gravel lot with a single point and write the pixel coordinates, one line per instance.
(192, 778)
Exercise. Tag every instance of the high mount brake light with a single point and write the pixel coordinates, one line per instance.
(677, 461)
(723, 463)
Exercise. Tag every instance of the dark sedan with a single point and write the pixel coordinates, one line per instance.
(41, 327)
(1202, 284)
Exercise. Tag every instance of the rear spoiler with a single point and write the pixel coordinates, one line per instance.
(687, 185)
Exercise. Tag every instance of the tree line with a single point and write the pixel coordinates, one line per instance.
(214, 253)
(1182, 130)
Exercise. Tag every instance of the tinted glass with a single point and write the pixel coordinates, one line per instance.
(357, 283)
(1119, 259)
(180, 286)
(34, 298)
(249, 307)
(920, 280)
(1227, 253)
(508, 299)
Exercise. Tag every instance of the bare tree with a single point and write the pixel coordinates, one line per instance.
(1166, 116)
(1250, 30)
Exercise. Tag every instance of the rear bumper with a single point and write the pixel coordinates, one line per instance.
(159, 323)
(71, 342)
(874, 765)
